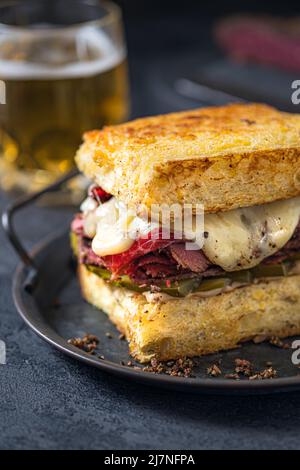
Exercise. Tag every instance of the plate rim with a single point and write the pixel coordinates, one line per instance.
(204, 385)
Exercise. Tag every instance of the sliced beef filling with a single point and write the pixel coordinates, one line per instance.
(194, 260)
(149, 260)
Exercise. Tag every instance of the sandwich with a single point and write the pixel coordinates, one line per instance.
(233, 278)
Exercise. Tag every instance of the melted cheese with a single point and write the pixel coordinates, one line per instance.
(112, 224)
(88, 207)
(113, 227)
(242, 238)
(235, 240)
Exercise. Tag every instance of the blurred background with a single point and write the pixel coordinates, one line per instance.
(180, 55)
(248, 48)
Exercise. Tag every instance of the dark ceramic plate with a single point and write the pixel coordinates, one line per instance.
(47, 296)
(56, 312)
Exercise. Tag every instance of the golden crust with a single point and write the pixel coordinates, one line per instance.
(196, 326)
(225, 157)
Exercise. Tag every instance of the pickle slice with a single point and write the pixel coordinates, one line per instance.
(102, 272)
(187, 286)
(213, 283)
(271, 270)
(126, 282)
(243, 277)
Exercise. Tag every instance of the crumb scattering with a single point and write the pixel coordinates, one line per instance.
(214, 370)
(243, 367)
(182, 367)
(88, 343)
(275, 341)
(269, 373)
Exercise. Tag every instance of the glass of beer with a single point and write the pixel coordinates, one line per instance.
(63, 71)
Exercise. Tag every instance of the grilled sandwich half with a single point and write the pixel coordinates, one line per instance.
(241, 164)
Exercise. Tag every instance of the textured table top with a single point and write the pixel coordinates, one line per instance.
(50, 401)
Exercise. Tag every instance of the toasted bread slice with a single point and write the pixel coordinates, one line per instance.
(224, 157)
(193, 325)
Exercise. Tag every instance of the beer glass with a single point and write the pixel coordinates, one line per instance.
(63, 71)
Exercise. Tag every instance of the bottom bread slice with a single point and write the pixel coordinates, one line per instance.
(193, 325)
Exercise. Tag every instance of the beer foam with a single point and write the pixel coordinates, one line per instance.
(109, 55)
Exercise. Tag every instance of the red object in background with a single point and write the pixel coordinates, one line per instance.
(266, 40)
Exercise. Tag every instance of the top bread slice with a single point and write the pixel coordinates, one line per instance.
(223, 157)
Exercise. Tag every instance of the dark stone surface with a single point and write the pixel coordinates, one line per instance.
(50, 401)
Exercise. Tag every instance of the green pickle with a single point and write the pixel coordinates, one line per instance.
(271, 270)
(181, 288)
(187, 286)
(243, 277)
(213, 283)
(126, 282)
(102, 272)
